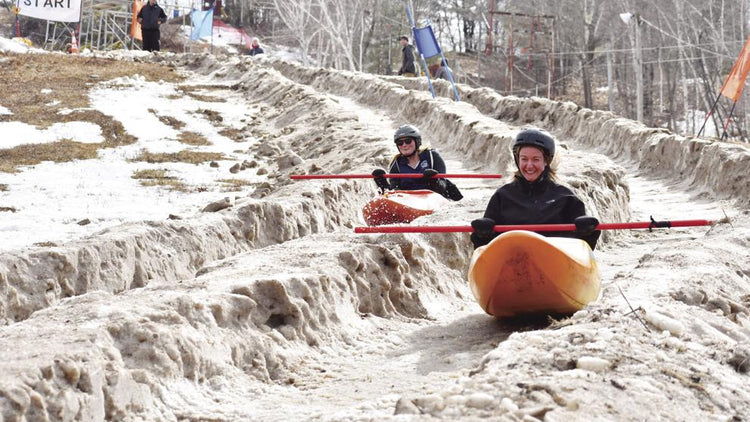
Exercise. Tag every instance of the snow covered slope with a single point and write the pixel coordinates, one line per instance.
(269, 307)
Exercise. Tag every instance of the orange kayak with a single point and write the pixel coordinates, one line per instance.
(521, 272)
(401, 206)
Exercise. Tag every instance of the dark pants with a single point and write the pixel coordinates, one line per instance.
(150, 39)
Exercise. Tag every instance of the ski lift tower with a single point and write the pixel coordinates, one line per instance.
(527, 43)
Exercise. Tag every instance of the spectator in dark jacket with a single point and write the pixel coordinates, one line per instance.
(150, 17)
(407, 63)
(533, 197)
(255, 49)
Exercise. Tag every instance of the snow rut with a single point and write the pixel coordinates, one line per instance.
(191, 319)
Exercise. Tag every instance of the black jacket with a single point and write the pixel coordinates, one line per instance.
(540, 202)
(151, 16)
(255, 51)
(407, 64)
(428, 159)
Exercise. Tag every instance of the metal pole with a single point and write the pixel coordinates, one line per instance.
(488, 48)
(421, 57)
(99, 32)
(610, 84)
(552, 61)
(511, 55)
(638, 69)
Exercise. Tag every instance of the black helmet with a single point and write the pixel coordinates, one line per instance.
(408, 131)
(534, 138)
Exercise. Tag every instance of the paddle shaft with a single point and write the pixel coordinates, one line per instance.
(534, 227)
(392, 176)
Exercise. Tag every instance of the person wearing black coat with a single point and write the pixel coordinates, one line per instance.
(407, 62)
(415, 159)
(533, 197)
(151, 16)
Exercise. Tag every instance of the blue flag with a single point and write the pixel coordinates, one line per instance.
(426, 42)
(202, 23)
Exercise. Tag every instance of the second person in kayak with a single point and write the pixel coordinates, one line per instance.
(414, 158)
(534, 196)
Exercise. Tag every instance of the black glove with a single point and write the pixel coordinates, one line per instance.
(483, 227)
(430, 173)
(585, 225)
(433, 183)
(380, 180)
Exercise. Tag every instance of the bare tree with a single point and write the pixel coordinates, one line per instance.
(687, 46)
(297, 17)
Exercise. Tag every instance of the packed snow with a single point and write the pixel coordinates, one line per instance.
(264, 305)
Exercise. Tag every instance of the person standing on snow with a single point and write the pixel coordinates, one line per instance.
(255, 50)
(413, 158)
(407, 63)
(150, 17)
(534, 197)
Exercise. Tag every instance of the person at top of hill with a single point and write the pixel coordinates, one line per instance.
(151, 16)
(534, 196)
(407, 58)
(414, 158)
(255, 49)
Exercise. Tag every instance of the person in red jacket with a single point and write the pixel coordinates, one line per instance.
(534, 197)
(151, 16)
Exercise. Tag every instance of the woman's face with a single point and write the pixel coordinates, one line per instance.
(531, 162)
(406, 146)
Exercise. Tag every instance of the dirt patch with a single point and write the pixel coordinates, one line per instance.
(42, 89)
(212, 115)
(197, 92)
(58, 152)
(36, 87)
(183, 156)
(67, 150)
(193, 138)
(161, 178)
(233, 185)
(206, 98)
(237, 135)
(168, 120)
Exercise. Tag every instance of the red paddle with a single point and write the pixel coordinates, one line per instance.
(392, 176)
(534, 227)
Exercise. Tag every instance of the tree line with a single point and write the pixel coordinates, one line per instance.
(663, 62)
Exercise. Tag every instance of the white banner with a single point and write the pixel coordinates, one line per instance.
(51, 10)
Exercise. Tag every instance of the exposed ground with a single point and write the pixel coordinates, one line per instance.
(273, 309)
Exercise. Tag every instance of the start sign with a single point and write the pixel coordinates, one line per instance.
(51, 10)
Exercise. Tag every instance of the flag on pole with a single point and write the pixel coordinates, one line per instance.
(135, 27)
(202, 23)
(426, 42)
(735, 82)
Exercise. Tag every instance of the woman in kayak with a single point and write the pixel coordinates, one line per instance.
(534, 197)
(414, 158)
